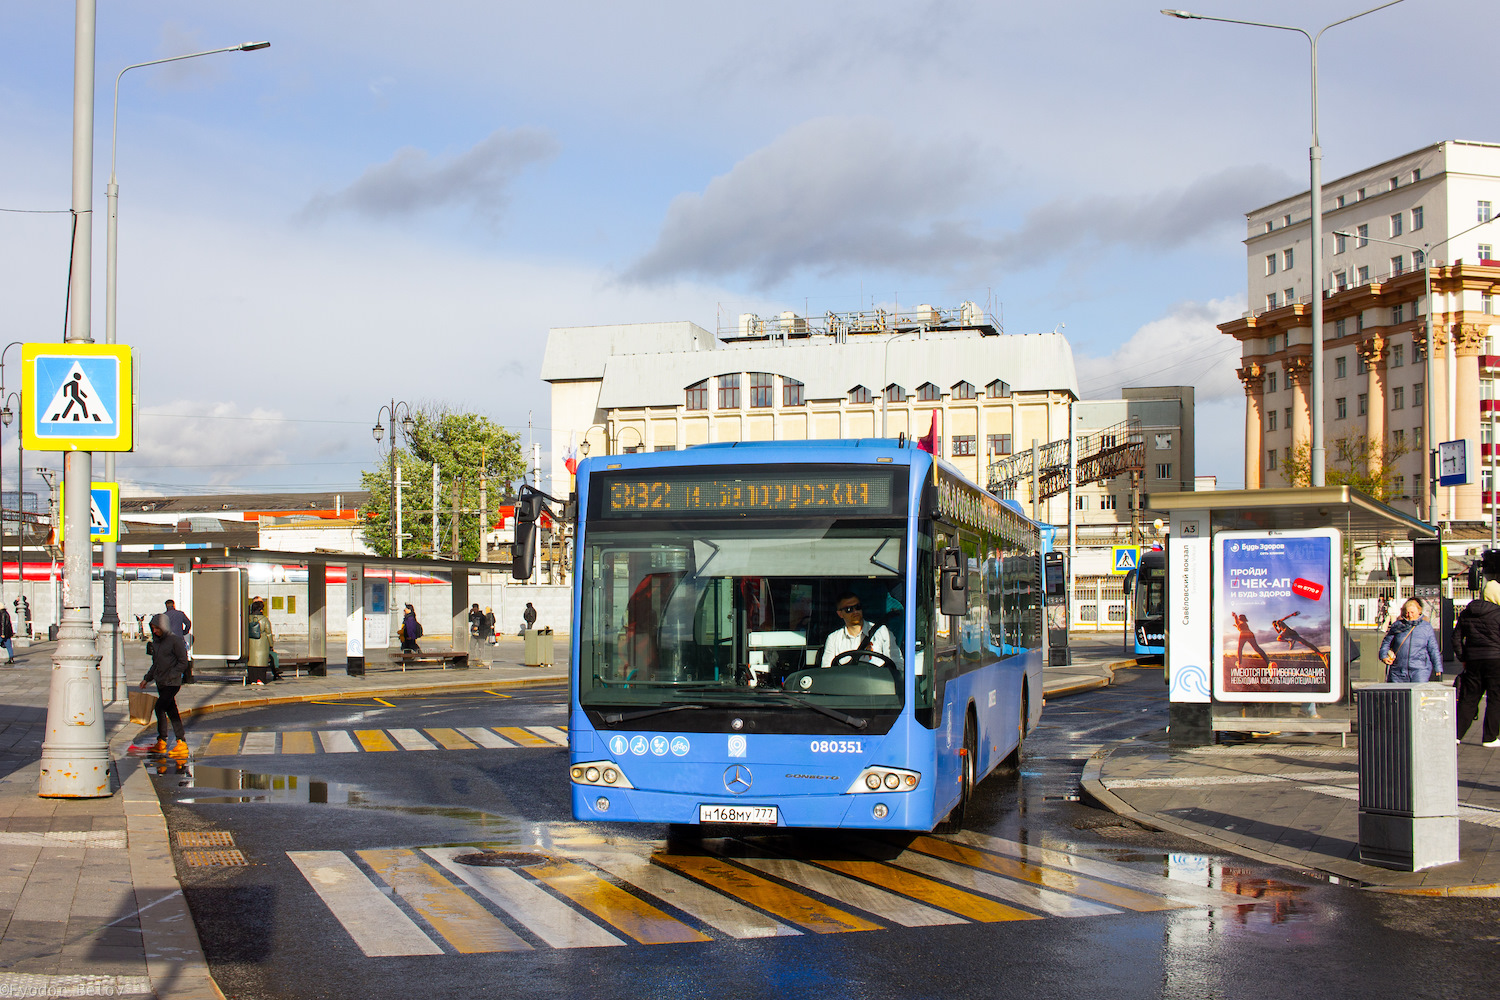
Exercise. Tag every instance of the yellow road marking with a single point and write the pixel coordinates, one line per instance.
(1049, 878)
(374, 739)
(297, 743)
(497, 694)
(926, 890)
(450, 739)
(385, 703)
(227, 744)
(634, 917)
(773, 897)
(453, 913)
(522, 737)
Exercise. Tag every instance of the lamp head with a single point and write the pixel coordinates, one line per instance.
(6, 416)
(1182, 14)
(254, 46)
(584, 447)
(407, 423)
(378, 431)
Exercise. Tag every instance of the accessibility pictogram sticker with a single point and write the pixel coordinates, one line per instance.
(77, 397)
(104, 512)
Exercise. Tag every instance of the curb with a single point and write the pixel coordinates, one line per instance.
(1095, 788)
(263, 702)
(1077, 688)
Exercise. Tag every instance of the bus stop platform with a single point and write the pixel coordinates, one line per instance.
(1293, 799)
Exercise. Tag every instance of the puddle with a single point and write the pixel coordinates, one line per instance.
(250, 786)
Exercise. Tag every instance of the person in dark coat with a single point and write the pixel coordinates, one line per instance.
(1477, 642)
(529, 617)
(411, 631)
(7, 637)
(1410, 648)
(169, 661)
(476, 621)
(487, 630)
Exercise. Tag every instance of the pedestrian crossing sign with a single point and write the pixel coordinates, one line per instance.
(1127, 558)
(77, 397)
(104, 512)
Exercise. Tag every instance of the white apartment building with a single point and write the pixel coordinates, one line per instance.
(1387, 229)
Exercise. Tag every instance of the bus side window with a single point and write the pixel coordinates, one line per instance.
(972, 645)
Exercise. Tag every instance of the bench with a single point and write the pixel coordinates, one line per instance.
(316, 666)
(1247, 724)
(453, 656)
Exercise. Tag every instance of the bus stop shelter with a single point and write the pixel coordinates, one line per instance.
(1257, 620)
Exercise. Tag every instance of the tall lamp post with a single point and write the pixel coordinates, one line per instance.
(1315, 170)
(109, 642)
(395, 412)
(6, 416)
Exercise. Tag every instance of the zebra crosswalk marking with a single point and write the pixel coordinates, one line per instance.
(717, 911)
(225, 744)
(259, 743)
(550, 919)
(488, 739)
(636, 918)
(1183, 892)
(749, 887)
(1022, 894)
(449, 739)
(411, 739)
(1063, 881)
(851, 892)
(297, 743)
(376, 924)
(556, 735)
(522, 737)
(374, 740)
(466, 925)
(336, 741)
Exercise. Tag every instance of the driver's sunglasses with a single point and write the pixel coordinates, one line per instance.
(850, 607)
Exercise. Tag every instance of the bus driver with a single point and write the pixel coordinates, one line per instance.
(857, 633)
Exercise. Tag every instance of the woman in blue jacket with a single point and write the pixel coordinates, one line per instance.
(1410, 648)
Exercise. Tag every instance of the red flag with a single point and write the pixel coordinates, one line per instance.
(570, 457)
(928, 441)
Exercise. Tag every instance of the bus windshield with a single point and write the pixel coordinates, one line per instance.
(745, 615)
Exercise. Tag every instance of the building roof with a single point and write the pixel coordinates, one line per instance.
(830, 369)
(257, 503)
(579, 352)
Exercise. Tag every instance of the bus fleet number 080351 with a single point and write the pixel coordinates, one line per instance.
(838, 746)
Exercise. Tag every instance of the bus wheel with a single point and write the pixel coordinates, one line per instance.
(967, 765)
(1012, 760)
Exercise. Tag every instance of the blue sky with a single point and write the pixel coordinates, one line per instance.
(398, 201)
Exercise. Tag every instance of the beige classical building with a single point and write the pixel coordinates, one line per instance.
(1387, 231)
(665, 386)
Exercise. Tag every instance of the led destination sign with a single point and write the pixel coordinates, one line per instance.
(665, 495)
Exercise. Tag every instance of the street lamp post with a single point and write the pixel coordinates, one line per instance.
(6, 416)
(110, 643)
(1315, 171)
(396, 412)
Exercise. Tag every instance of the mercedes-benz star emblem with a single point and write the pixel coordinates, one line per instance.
(737, 779)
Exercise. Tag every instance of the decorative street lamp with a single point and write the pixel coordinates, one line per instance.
(396, 412)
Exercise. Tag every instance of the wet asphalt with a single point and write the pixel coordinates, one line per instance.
(267, 934)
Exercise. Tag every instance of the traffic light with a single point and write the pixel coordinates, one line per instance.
(1476, 581)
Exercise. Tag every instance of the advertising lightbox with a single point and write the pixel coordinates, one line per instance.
(1276, 605)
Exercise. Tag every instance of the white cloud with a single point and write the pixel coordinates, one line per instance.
(213, 443)
(1183, 347)
(414, 181)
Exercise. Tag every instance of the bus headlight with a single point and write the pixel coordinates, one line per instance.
(599, 772)
(884, 779)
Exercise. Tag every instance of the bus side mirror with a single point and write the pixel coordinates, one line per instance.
(523, 550)
(1476, 582)
(1129, 582)
(953, 583)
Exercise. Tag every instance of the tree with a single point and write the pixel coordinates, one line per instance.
(464, 447)
(1354, 460)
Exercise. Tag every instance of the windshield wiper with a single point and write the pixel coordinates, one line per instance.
(848, 720)
(615, 717)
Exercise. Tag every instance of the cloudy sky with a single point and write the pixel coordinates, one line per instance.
(398, 200)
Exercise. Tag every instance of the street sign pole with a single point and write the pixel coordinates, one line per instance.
(75, 754)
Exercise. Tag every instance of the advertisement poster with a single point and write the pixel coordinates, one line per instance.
(1276, 601)
(377, 614)
(1190, 645)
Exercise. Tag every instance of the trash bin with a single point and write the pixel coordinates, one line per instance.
(1408, 776)
(52, 633)
(539, 650)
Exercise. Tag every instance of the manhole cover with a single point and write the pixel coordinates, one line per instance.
(501, 859)
(213, 859)
(205, 838)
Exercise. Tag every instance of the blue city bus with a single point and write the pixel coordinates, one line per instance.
(1150, 600)
(705, 686)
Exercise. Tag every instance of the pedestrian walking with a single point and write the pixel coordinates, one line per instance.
(169, 661)
(7, 636)
(1476, 640)
(528, 617)
(487, 631)
(411, 631)
(1410, 649)
(476, 621)
(259, 654)
(180, 623)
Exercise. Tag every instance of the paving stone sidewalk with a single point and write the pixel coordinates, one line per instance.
(1293, 801)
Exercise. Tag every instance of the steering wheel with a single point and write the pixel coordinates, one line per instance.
(852, 656)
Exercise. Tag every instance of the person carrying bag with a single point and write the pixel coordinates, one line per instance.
(1410, 648)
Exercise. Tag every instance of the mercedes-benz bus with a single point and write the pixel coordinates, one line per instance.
(799, 634)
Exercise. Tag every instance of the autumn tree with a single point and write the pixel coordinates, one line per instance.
(1353, 460)
(466, 448)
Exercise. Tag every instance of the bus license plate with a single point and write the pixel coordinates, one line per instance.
(764, 815)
